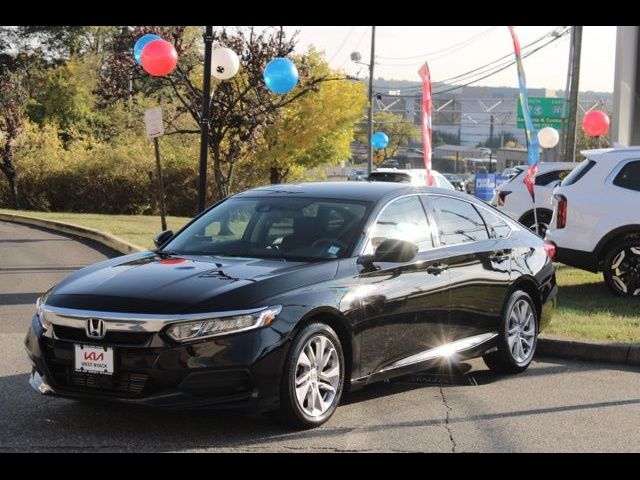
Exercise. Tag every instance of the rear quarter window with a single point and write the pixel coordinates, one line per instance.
(579, 172)
(629, 176)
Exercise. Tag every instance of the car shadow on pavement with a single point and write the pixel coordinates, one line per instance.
(34, 422)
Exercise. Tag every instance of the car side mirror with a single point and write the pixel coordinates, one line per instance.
(394, 251)
(162, 238)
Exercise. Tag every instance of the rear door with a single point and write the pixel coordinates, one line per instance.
(478, 259)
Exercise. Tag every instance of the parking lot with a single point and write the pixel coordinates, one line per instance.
(556, 405)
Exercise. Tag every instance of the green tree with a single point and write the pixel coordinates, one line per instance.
(400, 132)
(13, 98)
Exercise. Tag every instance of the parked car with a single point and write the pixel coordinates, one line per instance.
(596, 217)
(283, 297)
(357, 175)
(415, 176)
(455, 180)
(513, 197)
(513, 171)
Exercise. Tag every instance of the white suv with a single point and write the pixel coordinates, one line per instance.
(596, 217)
(513, 197)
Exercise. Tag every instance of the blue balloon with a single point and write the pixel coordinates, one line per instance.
(379, 140)
(140, 44)
(280, 75)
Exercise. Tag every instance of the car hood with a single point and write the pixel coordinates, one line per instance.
(148, 283)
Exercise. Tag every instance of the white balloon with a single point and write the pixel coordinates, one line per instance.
(548, 137)
(224, 63)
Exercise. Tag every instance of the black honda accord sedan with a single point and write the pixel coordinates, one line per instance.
(285, 297)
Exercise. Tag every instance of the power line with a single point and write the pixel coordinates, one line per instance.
(462, 44)
(344, 42)
(493, 71)
(488, 66)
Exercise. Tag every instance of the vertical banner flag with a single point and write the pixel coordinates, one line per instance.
(426, 119)
(532, 138)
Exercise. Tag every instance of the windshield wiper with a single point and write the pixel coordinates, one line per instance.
(165, 253)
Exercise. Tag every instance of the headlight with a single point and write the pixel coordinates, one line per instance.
(40, 312)
(222, 325)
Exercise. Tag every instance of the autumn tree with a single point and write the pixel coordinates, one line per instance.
(317, 129)
(241, 108)
(399, 130)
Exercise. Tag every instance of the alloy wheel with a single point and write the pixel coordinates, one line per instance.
(625, 270)
(317, 376)
(521, 331)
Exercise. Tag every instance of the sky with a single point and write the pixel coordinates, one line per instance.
(451, 51)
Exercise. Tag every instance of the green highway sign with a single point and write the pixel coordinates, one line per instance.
(545, 112)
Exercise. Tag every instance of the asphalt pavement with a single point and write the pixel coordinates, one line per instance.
(556, 405)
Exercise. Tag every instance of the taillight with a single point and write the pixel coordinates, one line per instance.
(550, 250)
(501, 196)
(561, 217)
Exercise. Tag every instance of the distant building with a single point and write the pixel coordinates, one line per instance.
(471, 114)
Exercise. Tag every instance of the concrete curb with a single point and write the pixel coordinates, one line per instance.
(608, 352)
(104, 238)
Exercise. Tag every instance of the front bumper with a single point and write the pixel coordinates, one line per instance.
(236, 371)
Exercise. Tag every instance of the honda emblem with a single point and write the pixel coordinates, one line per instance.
(96, 328)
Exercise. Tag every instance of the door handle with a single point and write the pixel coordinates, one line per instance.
(501, 255)
(436, 268)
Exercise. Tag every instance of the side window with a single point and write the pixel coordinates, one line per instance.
(629, 176)
(547, 178)
(458, 221)
(498, 228)
(402, 219)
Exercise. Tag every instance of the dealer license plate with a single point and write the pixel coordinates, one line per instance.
(92, 359)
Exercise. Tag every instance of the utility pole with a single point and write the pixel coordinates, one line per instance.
(576, 47)
(204, 119)
(372, 62)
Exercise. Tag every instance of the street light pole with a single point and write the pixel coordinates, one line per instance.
(204, 119)
(372, 62)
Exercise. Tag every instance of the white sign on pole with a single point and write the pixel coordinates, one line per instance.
(153, 122)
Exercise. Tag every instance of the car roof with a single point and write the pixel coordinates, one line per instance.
(364, 191)
(615, 153)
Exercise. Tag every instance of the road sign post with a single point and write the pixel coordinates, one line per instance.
(154, 128)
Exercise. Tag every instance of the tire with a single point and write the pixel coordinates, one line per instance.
(544, 220)
(621, 267)
(319, 400)
(508, 358)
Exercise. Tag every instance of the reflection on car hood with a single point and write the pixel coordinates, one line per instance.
(148, 283)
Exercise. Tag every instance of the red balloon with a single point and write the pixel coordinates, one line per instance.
(159, 58)
(595, 123)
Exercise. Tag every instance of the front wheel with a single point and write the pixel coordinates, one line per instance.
(621, 268)
(518, 336)
(313, 378)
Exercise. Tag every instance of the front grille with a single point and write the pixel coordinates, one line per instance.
(59, 359)
(122, 338)
(129, 384)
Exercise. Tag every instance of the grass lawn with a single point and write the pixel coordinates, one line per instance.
(586, 309)
(136, 229)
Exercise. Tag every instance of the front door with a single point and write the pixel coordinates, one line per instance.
(401, 303)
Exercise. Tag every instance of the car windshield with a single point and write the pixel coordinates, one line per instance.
(290, 228)
(389, 177)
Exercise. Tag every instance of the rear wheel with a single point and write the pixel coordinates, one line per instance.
(544, 220)
(314, 377)
(621, 267)
(518, 336)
